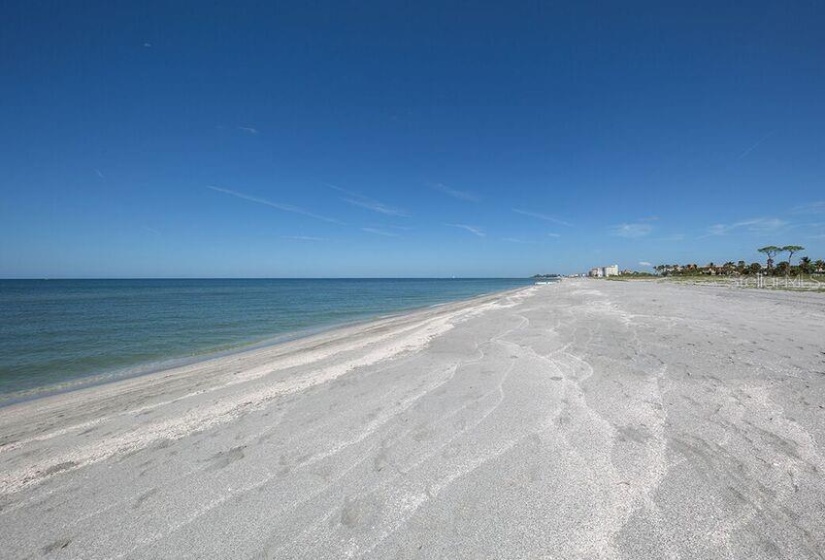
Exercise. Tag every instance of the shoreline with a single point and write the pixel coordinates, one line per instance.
(583, 419)
(248, 365)
(97, 379)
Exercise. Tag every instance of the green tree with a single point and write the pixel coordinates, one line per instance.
(819, 265)
(770, 251)
(791, 249)
(805, 265)
(755, 268)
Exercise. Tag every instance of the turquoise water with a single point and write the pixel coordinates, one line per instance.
(58, 334)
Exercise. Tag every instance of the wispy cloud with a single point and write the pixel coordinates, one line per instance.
(756, 225)
(147, 45)
(276, 205)
(99, 174)
(529, 241)
(544, 217)
(644, 263)
(376, 207)
(517, 240)
(817, 207)
(632, 231)
(720, 229)
(357, 199)
(755, 145)
(248, 129)
(303, 238)
(475, 230)
(377, 231)
(455, 193)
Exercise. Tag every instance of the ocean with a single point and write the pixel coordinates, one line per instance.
(57, 335)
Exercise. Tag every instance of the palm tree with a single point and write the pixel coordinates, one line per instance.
(771, 251)
(791, 249)
(819, 265)
(805, 265)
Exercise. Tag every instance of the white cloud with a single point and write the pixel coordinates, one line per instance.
(376, 207)
(632, 231)
(544, 217)
(362, 201)
(283, 207)
(756, 225)
(377, 231)
(817, 207)
(755, 145)
(553, 235)
(769, 224)
(248, 129)
(455, 193)
(475, 230)
(644, 263)
(302, 238)
(517, 240)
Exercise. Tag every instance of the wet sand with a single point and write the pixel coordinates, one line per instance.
(587, 419)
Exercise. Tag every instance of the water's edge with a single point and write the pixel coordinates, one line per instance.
(94, 379)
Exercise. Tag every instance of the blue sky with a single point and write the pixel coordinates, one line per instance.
(333, 139)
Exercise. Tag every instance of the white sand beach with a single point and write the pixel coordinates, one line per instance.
(586, 419)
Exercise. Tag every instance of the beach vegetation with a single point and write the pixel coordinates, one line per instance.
(771, 251)
(791, 249)
(740, 268)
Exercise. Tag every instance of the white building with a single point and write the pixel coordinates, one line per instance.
(604, 271)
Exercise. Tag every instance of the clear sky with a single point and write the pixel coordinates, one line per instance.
(348, 139)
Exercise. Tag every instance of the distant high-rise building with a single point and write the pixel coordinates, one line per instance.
(604, 271)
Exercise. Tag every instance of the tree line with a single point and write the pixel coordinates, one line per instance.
(784, 268)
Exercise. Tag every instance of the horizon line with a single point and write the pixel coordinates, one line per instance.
(100, 278)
